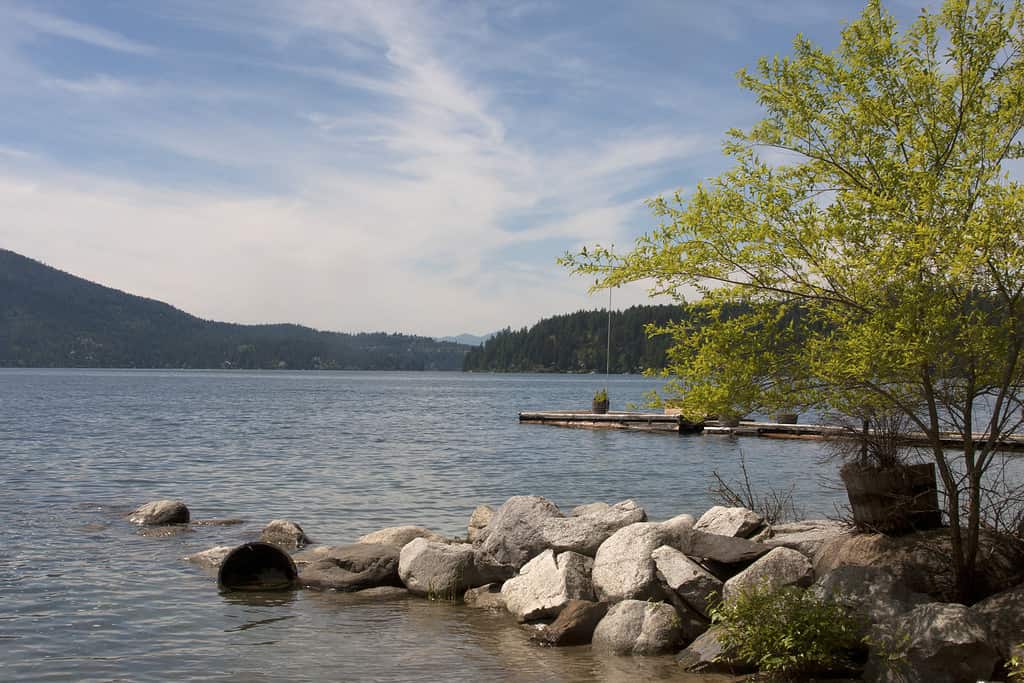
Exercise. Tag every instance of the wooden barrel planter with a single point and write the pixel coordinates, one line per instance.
(257, 566)
(786, 418)
(599, 407)
(895, 499)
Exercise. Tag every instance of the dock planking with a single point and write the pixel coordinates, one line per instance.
(658, 422)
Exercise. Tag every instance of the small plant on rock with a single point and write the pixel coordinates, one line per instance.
(785, 631)
(1015, 667)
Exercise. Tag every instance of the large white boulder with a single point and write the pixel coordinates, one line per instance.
(694, 585)
(623, 566)
(781, 567)
(730, 521)
(547, 583)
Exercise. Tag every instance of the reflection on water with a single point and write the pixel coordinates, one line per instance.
(86, 596)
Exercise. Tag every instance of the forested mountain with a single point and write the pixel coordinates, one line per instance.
(49, 318)
(576, 342)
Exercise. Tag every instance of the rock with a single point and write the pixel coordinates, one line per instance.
(574, 625)
(445, 571)
(351, 568)
(526, 525)
(933, 643)
(160, 512)
(514, 535)
(869, 593)
(589, 526)
(807, 536)
(921, 560)
(781, 567)
(724, 549)
(381, 593)
(400, 535)
(624, 568)
(707, 655)
(638, 627)
(487, 596)
(212, 557)
(285, 534)
(230, 521)
(478, 521)
(691, 582)
(738, 522)
(1004, 613)
(547, 583)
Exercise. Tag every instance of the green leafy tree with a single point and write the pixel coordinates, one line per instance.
(873, 237)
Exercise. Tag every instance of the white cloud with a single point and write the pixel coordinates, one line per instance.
(40, 22)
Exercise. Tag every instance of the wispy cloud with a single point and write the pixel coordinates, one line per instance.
(49, 24)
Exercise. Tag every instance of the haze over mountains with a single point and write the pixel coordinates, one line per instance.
(49, 318)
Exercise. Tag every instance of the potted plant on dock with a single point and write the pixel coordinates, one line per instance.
(888, 492)
(599, 406)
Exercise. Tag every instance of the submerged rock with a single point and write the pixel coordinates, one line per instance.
(159, 512)
(400, 535)
(487, 596)
(349, 568)
(284, 533)
(574, 625)
(547, 583)
(211, 557)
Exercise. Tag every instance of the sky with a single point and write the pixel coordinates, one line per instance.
(368, 166)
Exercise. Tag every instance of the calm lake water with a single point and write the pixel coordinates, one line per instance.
(84, 596)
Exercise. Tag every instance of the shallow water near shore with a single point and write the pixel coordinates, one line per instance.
(85, 596)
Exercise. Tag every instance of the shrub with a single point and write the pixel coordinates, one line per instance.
(1015, 667)
(785, 631)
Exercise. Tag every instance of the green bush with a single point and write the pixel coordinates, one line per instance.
(601, 395)
(1016, 664)
(785, 631)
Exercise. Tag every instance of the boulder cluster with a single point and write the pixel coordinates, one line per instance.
(605, 575)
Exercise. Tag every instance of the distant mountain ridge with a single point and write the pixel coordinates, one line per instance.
(468, 339)
(49, 318)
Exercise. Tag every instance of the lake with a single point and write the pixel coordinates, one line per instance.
(86, 597)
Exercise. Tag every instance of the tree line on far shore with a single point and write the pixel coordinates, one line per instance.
(577, 342)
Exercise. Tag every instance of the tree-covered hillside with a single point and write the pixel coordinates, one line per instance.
(576, 342)
(49, 318)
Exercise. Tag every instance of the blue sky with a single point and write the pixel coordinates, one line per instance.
(383, 165)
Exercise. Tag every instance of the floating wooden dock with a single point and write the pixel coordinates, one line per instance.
(658, 422)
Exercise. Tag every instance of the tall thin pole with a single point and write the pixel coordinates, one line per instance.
(608, 351)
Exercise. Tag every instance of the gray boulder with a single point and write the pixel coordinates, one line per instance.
(574, 625)
(725, 521)
(445, 571)
(160, 512)
(807, 536)
(638, 627)
(211, 557)
(933, 643)
(623, 566)
(284, 534)
(1004, 613)
(526, 525)
(724, 549)
(781, 567)
(547, 583)
(400, 535)
(487, 596)
(478, 521)
(868, 593)
(352, 568)
(694, 585)
(589, 526)
(514, 535)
